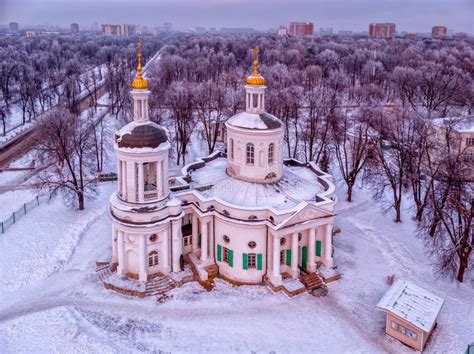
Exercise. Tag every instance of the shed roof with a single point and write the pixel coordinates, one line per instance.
(415, 305)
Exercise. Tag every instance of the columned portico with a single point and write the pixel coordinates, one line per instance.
(142, 258)
(294, 255)
(166, 250)
(327, 258)
(204, 240)
(121, 253)
(312, 250)
(177, 244)
(195, 229)
(276, 272)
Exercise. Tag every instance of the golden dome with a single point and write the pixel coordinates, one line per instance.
(255, 79)
(139, 83)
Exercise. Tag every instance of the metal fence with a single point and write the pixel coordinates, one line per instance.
(27, 207)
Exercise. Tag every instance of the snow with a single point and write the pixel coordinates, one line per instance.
(412, 303)
(249, 121)
(463, 124)
(298, 184)
(14, 200)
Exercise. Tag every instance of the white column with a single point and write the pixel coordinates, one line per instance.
(119, 176)
(177, 244)
(159, 177)
(164, 173)
(165, 251)
(142, 258)
(211, 239)
(327, 256)
(276, 275)
(294, 254)
(195, 232)
(121, 253)
(204, 241)
(114, 244)
(124, 180)
(312, 250)
(140, 183)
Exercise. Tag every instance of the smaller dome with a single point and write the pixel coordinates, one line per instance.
(255, 80)
(255, 121)
(139, 83)
(135, 135)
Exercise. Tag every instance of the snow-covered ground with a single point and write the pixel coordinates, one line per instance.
(51, 300)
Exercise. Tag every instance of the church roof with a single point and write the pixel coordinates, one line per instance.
(141, 135)
(258, 121)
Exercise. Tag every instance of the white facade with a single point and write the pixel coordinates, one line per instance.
(248, 212)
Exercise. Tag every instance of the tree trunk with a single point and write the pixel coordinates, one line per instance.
(461, 270)
(349, 192)
(398, 210)
(80, 198)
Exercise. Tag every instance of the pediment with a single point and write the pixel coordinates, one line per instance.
(307, 213)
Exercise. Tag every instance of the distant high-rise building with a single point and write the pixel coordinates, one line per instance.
(382, 30)
(300, 29)
(460, 36)
(74, 28)
(119, 30)
(326, 31)
(282, 31)
(410, 36)
(14, 27)
(439, 32)
(167, 27)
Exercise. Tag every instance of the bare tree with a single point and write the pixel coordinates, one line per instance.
(65, 145)
(352, 142)
(180, 99)
(210, 102)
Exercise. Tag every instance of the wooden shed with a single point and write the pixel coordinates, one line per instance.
(412, 313)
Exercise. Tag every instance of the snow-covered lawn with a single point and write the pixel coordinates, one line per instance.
(51, 300)
(13, 200)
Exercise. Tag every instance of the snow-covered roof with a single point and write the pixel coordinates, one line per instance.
(298, 184)
(259, 121)
(415, 305)
(463, 124)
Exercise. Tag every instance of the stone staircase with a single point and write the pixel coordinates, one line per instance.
(212, 271)
(104, 271)
(314, 284)
(159, 287)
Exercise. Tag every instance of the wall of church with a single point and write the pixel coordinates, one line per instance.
(240, 251)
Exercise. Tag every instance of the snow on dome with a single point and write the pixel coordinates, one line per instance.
(141, 135)
(415, 305)
(298, 184)
(259, 121)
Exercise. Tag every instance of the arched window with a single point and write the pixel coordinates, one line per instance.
(231, 148)
(152, 259)
(250, 154)
(271, 153)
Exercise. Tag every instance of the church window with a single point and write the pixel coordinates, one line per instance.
(250, 154)
(470, 141)
(252, 260)
(282, 257)
(271, 151)
(153, 258)
(231, 148)
(252, 244)
(282, 241)
(228, 256)
(139, 106)
(226, 239)
(255, 100)
(153, 238)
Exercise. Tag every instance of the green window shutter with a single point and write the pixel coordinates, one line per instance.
(318, 248)
(259, 261)
(288, 257)
(219, 253)
(231, 258)
(245, 261)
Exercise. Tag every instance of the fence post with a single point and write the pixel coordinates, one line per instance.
(13, 217)
(24, 207)
(37, 200)
(3, 230)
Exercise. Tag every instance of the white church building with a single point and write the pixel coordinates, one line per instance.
(249, 215)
